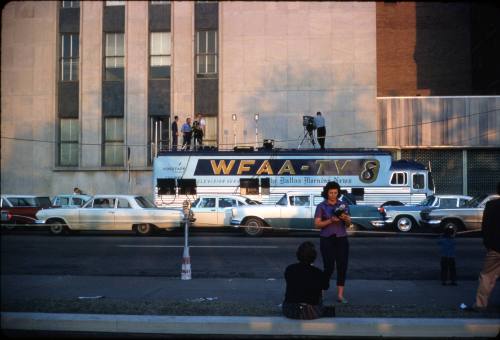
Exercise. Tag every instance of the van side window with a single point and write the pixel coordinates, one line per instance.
(399, 178)
(418, 181)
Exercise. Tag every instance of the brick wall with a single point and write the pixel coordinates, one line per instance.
(423, 49)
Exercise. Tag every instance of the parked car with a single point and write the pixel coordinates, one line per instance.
(112, 212)
(468, 217)
(210, 209)
(296, 211)
(70, 200)
(17, 210)
(406, 218)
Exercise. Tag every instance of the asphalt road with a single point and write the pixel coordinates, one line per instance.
(225, 255)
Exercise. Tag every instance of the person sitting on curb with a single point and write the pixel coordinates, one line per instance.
(304, 286)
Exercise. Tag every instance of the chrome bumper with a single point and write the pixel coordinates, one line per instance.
(378, 223)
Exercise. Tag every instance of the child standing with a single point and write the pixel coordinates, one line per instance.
(447, 250)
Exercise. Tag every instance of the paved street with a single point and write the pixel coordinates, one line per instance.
(225, 255)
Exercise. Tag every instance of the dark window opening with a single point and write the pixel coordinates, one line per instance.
(358, 193)
(187, 186)
(265, 186)
(249, 186)
(166, 186)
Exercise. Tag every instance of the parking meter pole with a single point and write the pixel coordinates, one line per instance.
(186, 260)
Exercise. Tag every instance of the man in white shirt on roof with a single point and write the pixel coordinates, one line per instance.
(321, 132)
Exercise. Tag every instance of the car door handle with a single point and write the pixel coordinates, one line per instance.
(212, 209)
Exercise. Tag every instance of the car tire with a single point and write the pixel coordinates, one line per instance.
(253, 227)
(143, 229)
(404, 224)
(353, 227)
(451, 224)
(58, 228)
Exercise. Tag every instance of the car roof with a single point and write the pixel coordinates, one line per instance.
(453, 196)
(74, 195)
(116, 196)
(303, 193)
(222, 196)
(27, 196)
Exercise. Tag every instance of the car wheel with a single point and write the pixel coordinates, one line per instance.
(57, 228)
(353, 227)
(253, 227)
(143, 229)
(404, 224)
(451, 224)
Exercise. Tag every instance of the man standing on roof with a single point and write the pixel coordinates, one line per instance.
(320, 125)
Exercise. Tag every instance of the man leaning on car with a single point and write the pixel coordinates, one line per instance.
(491, 240)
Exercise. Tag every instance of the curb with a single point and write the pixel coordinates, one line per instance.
(249, 325)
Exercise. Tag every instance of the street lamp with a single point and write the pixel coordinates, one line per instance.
(256, 117)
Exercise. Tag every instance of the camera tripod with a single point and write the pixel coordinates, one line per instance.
(309, 136)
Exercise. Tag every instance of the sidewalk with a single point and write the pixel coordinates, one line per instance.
(423, 296)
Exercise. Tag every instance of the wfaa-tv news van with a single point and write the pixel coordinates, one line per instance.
(371, 176)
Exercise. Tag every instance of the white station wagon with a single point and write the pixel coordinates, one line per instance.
(112, 212)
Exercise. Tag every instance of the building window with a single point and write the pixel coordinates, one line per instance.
(115, 56)
(68, 147)
(70, 50)
(206, 52)
(70, 4)
(160, 2)
(160, 55)
(115, 3)
(113, 142)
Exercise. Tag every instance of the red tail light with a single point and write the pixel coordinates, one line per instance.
(381, 210)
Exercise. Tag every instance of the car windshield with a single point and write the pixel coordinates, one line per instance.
(427, 202)
(475, 201)
(282, 201)
(143, 202)
(251, 202)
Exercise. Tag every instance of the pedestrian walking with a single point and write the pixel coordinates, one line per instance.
(332, 218)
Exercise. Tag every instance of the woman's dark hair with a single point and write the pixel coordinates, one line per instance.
(306, 253)
(329, 186)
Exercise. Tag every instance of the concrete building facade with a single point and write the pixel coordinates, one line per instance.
(89, 89)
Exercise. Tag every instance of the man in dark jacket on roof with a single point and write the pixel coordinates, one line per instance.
(491, 240)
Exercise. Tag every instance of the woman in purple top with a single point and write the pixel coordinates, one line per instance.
(332, 217)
